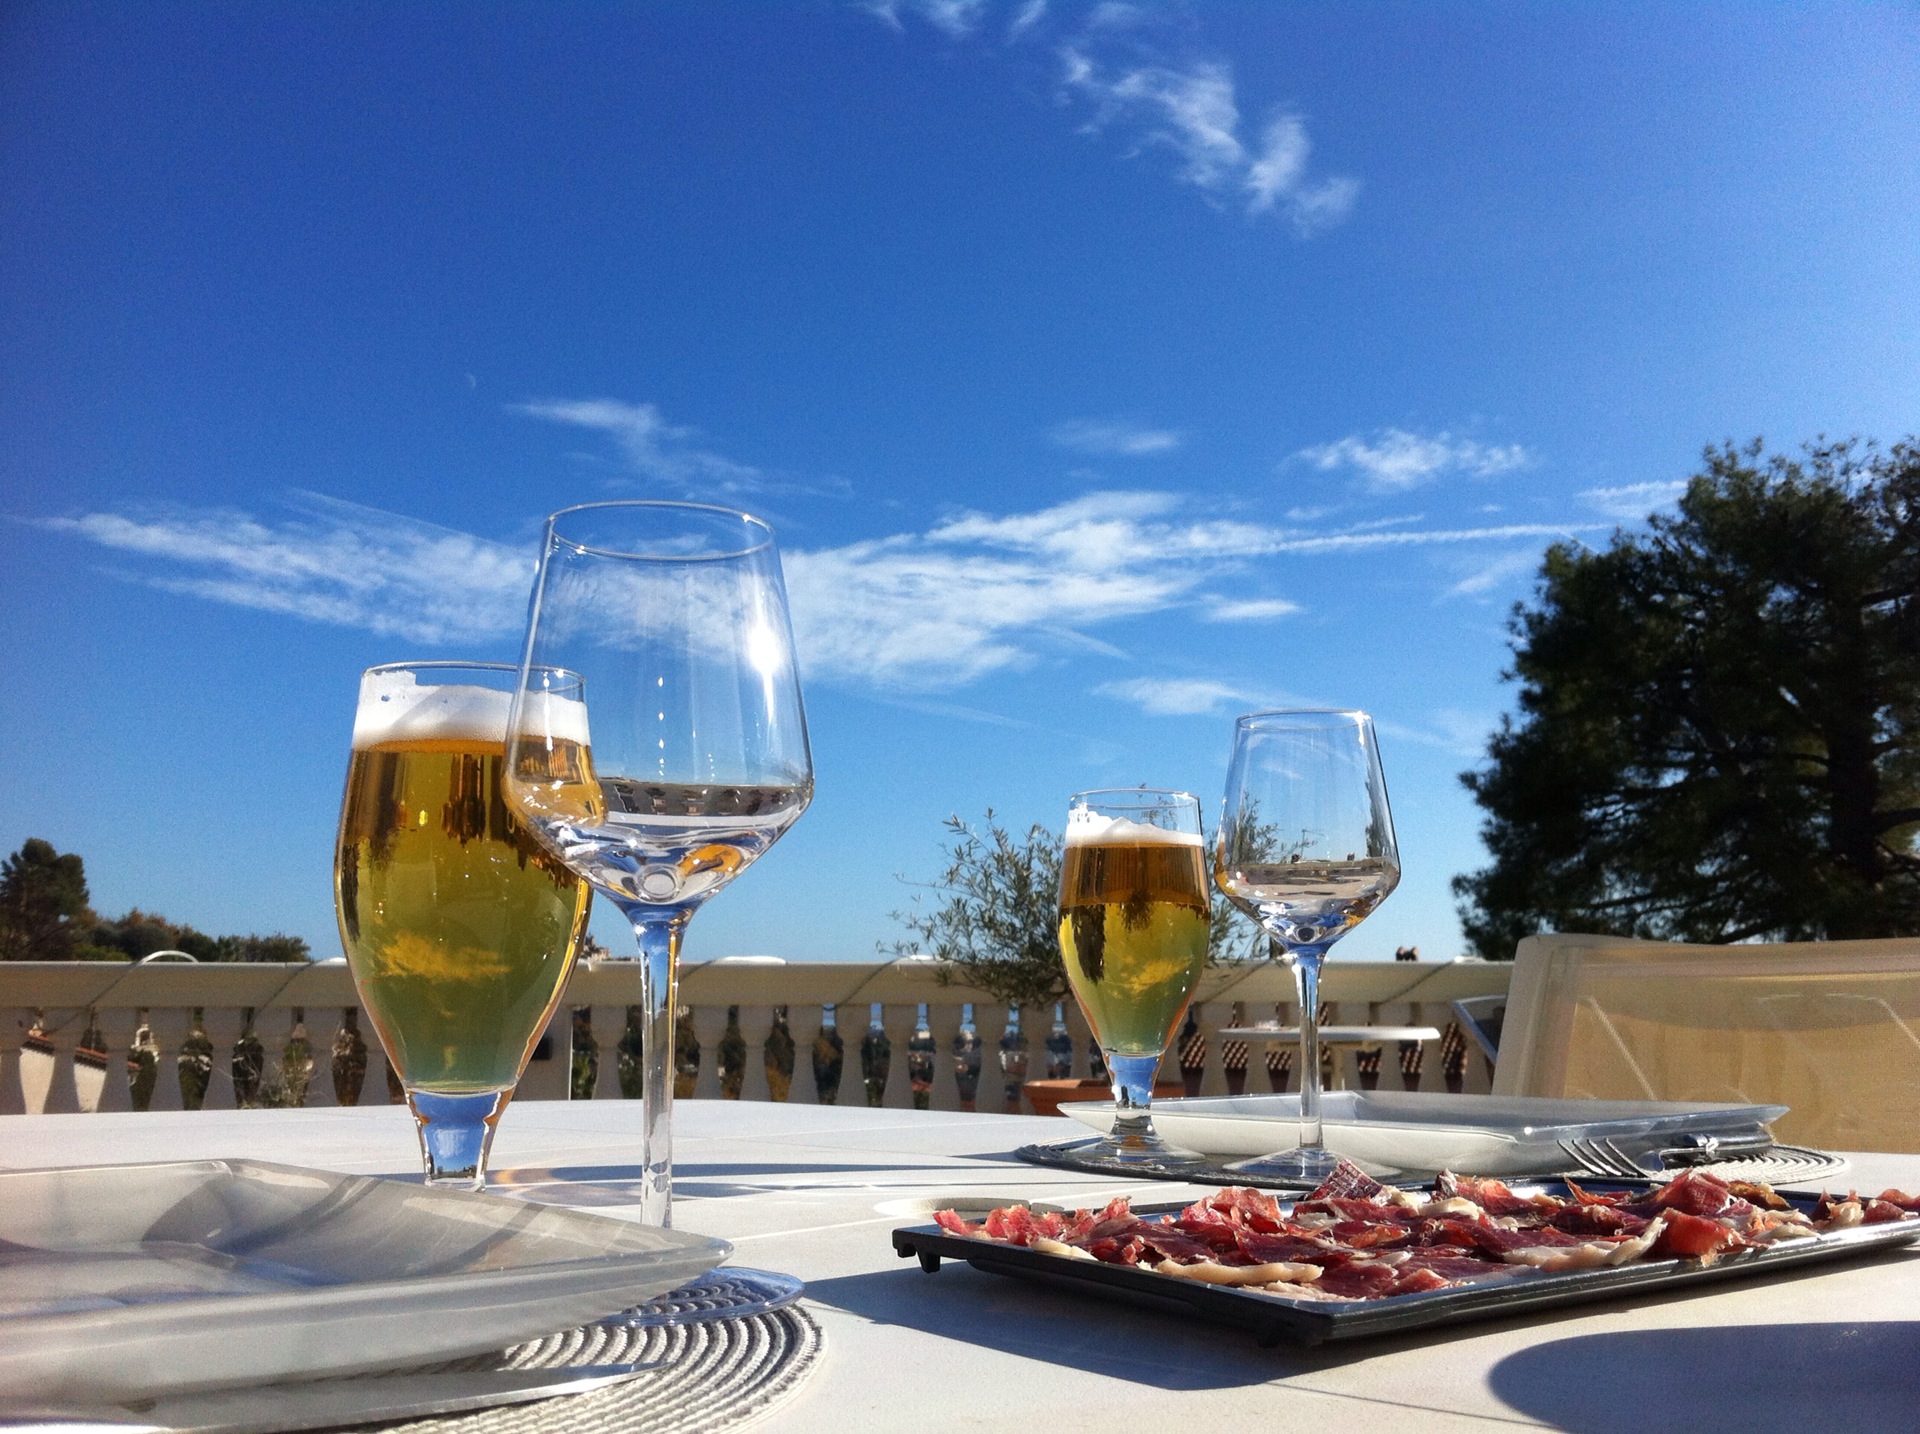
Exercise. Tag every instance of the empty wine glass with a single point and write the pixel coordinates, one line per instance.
(1306, 848)
(684, 754)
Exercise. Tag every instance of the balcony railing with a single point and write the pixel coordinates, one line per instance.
(103, 1037)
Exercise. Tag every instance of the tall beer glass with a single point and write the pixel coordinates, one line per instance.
(1134, 915)
(675, 615)
(459, 927)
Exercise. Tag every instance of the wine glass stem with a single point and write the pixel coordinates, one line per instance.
(1305, 961)
(659, 934)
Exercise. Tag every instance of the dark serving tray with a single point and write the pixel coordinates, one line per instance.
(1272, 1318)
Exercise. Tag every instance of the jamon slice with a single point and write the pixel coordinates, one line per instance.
(1358, 1279)
(1208, 1272)
(1693, 1237)
(954, 1224)
(1176, 1245)
(1589, 1255)
(1596, 1220)
(1349, 1182)
(1261, 1248)
(1085, 1226)
(1910, 1203)
(1018, 1225)
(1493, 1196)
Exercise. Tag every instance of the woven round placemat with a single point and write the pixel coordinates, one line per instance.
(712, 1375)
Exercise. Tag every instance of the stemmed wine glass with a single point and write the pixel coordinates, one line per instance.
(674, 616)
(1306, 848)
(1134, 919)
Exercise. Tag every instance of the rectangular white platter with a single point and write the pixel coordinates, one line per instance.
(1432, 1131)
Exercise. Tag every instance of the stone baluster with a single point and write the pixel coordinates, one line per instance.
(586, 1056)
(1235, 1054)
(777, 1055)
(249, 1063)
(1013, 1061)
(966, 1060)
(1059, 1046)
(143, 1063)
(730, 1057)
(829, 1058)
(876, 1056)
(920, 1053)
(687, 1050)
(349, 1067)
(194, 1063)
(90, 1065)
(296, 1063)
(1190, 1052)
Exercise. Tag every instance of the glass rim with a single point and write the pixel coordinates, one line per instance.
(554, 535)
(1299, 717)
(455, 664)
(1143, 793)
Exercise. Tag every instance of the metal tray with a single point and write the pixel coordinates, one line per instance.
(1272, 1318)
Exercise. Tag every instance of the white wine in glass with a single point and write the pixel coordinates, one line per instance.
(1306, 848)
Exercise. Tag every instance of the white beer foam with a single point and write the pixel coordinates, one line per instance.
(1086, 827)
(395, 707)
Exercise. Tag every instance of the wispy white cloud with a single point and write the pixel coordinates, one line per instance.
(1136, 76)
(337, 563)
(921, 611)
(1191, 110)
(1394, 460)
(652, 446)
(1130, 440)
(1177, 696)
(1458, 733)
(957, 18)
(1634, 501)
(1494, 573)
(1249, 609)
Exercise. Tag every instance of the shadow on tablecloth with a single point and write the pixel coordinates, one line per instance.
(1859, 1377)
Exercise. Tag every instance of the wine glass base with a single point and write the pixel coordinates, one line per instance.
(1142, 1150)
(1303, 1166)
(730, 1292)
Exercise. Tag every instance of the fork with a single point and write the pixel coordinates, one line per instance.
(1600, 1156)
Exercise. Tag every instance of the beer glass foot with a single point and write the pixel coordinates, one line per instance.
(456, 1132)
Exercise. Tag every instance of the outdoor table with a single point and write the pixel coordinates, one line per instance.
(1334, 1037)
(815, 1190)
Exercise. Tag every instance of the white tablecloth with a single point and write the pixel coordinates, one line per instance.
(815, 1190)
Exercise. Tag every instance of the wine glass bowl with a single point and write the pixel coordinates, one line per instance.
(674, 616)
(1305, 847)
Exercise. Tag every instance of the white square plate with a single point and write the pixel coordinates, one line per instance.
(129, 1281)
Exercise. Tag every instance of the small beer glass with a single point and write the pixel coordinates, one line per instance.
(1134, 918)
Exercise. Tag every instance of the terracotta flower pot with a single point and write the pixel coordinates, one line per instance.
(1047, 1096)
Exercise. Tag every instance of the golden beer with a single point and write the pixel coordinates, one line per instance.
(459, 927)
(1133, 930)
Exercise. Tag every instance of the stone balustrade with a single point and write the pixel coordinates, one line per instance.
(103, 1036)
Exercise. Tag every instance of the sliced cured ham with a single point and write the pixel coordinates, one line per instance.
(1356, 1239)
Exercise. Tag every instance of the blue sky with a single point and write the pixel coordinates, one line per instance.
(1105, 370)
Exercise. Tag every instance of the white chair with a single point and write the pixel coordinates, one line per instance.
(1830, 1029)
